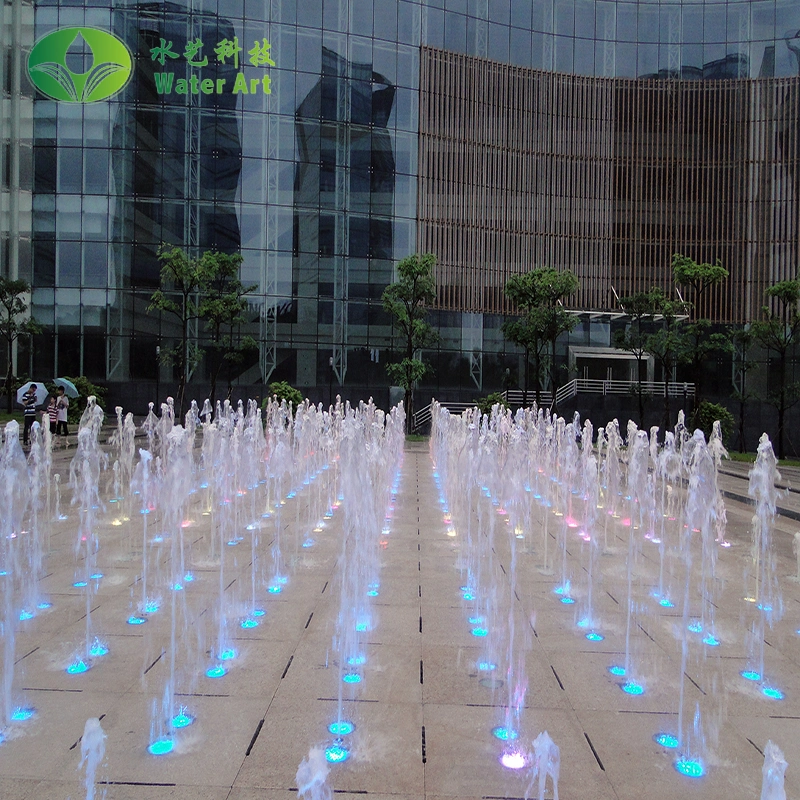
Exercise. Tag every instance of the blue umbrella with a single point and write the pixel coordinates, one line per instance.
(41, 392)
(69, 387)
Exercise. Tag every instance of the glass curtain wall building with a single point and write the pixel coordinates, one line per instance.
(327, 139)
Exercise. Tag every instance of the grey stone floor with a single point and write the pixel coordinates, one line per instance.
(423, 717)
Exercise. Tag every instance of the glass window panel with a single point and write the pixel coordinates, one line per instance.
(405, 21)
(763, 19)
(69, 263)
(95, 264)
(564, 17)
(435, 32)
(455, 33)
(521, 13)
(714, 27)
(584, 19)
(498, 42)
(459, 6)
(692, 22)
(70, 169)
(361, 17)
(95, 178)
(648, 59)
(648, 23)
(385, 19)
(500, 12)
(520, 47)
(564, 47)
(606, 23)
(626, 22)
(309, 13)
(626, 60)
(584, 57)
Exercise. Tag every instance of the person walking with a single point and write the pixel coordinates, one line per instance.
(28, 412)
(62, 404)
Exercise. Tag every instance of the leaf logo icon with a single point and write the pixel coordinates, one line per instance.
(101, 65)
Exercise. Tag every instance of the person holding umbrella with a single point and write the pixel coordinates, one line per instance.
(62, 403)
(29, 404)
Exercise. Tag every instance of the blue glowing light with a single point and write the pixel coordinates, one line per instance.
(290, 495)
(356, 661)
(504, 734)
(711, 640)
(161, 747)
(79, 584)
(772, 692)
(257, 612)
(695, 626)
(666, 740)
(3, 572)
(584, 623)
(188, 577)
(361, 627)
(468, 596)
(177, 587)
(78, 667)
(24, 614)
(21, 714)
(215, 672)
(282, 579)
(666, 602)
(275, 589)
(98, 649)
(480, 632)
(560, 590)
(336, 754)
(595, 637)
(249, 623)
(617, 670)
(568, 600)
(631, 687)
(475, 620)
(233, 542)
(352, 677)
(486, 666)
(227, 654)
(44, 604)
(96, 576)
(134, 620)
(182, 719)
(151, 606)
(308, 543)
(692, 769)
(341, 728)
(372, 593)
(764, 607)
(750, 675)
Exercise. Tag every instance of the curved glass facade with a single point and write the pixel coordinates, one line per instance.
(290, 130)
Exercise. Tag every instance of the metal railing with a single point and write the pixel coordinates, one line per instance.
(569, 390)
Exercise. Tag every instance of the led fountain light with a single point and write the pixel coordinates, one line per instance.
(341, 728)
(161, 747)
(666, 740)
(77, 667)
(182, 719)
(336, 754)
(690, 768)
(22, 714)
(504, 734)
(513, 760)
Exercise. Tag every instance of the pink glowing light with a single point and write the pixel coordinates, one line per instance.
(187, 523)
(571, 523)
(626, 522)
(502, 511)
(513, 760)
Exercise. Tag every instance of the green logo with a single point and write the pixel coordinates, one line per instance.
(79, 65)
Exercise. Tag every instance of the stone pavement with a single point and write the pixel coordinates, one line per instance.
(423, 714)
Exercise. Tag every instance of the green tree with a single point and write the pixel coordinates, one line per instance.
(538, 295)
(284, 391)
(182, 280)
(640, 309)
(741, 343)
(697, 342)
(223, 306)
(408, 300)
(666, 343)
(15, 324)
(778, 332)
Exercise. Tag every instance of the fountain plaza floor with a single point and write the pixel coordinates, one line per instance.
(423, 714)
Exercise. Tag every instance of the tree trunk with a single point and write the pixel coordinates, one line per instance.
(537, 361)
(408, 405)
(742, 445)
(10, 378)
(525, 379)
